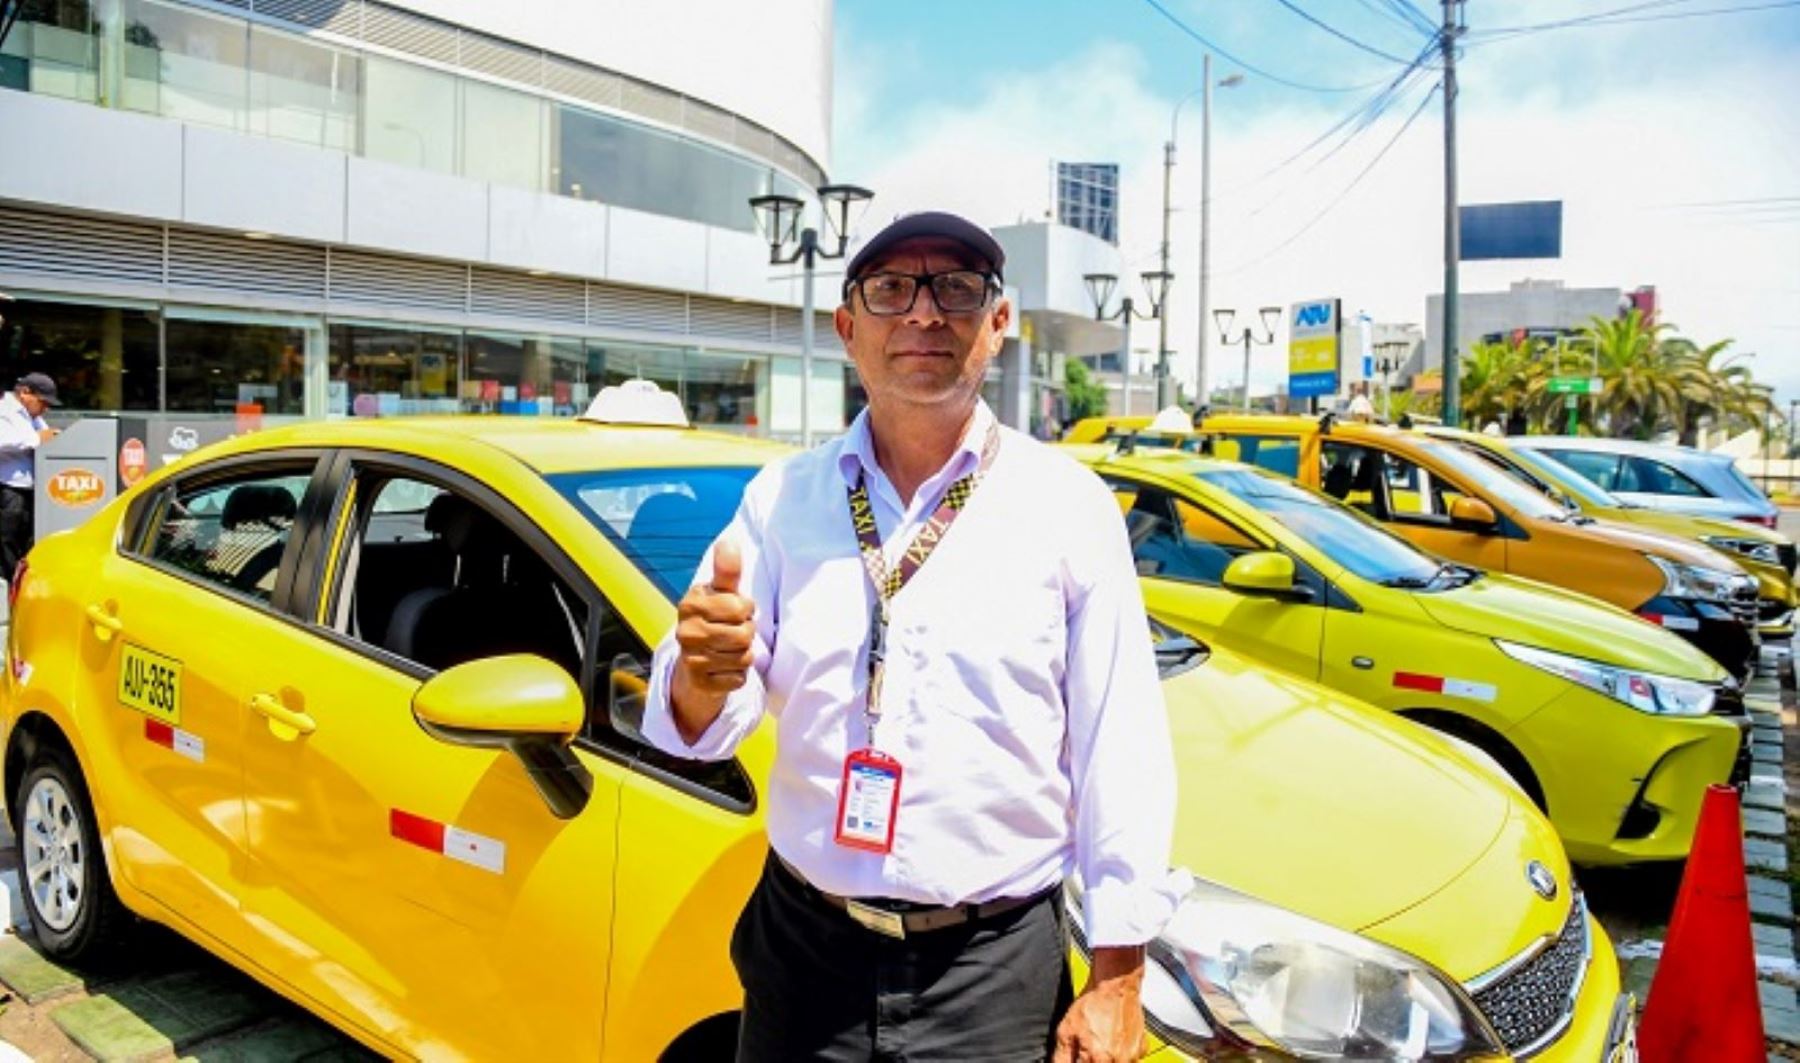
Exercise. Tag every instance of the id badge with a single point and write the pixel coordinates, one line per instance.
(868, 800)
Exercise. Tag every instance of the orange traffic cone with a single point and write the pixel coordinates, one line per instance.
(1703, 1003)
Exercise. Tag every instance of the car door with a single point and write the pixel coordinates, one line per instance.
(421, 890)
(179, 617)
(1181, 548)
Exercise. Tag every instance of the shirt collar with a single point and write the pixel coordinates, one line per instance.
(858, 456)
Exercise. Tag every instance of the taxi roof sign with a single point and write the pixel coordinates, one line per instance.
(638, 402)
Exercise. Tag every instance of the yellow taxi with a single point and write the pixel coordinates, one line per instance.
(356, 706)
(1764, 553)
(1613, 726)
(1451, 503)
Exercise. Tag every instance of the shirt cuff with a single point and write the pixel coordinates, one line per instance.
(721, 737)
(1128, 914)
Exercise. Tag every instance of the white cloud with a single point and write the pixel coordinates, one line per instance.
(1627, 154)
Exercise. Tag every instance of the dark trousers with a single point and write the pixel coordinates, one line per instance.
(818, 986)
(15, 528)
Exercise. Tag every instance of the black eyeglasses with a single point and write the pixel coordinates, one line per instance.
(959, 291)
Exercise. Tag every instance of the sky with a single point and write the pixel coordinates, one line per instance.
(1674, 144)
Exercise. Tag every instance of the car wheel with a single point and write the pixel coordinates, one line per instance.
(68, 894)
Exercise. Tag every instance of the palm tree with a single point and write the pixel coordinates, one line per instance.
(1725, 394)
(1642, 386)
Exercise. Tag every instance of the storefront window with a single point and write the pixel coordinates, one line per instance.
(303, 91)
(502, 136)
(386, 372)
(727, 390)
(53, 49)
(410, 115)
(228, 367)
(618, 362)
(183, 64)
(101, 357)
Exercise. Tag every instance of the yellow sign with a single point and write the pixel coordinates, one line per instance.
(150, 683)
(1316, 355)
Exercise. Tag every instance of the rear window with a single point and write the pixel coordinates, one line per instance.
(662, 519)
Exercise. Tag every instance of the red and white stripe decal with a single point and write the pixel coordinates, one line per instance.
(1672, 622)
(476, 850)
(188, 744)
(1437, 684)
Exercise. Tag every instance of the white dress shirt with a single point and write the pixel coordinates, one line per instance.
(1020, 695)
(18, 441)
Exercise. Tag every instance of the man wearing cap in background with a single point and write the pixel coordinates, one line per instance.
(22, 429)
(943, 617)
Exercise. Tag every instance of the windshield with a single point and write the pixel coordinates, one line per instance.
(662, 519)
(1344, 535)
(1583, 490)
(1511, 492)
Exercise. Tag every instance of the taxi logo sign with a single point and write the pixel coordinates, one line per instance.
(1312, 314)
(75, 488)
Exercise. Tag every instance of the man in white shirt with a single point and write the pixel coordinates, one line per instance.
(22, 429)
(943, 617)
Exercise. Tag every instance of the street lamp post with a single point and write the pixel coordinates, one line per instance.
(1100, 286)
(1223, 317)
(1162, 345)
(778, 216)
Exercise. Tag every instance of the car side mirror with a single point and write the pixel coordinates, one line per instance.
(1473, 513)
(521, 703)
(1265, 573)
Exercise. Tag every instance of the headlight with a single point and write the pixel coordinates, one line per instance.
(1692, 581)
(1765, 553)
(1659, 695)
(1274, 979)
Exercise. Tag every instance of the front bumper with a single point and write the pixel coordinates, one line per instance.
(1774, 619)
(1714, 628)
(1625, 786)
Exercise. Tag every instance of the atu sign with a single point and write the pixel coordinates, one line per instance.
(1313, 339)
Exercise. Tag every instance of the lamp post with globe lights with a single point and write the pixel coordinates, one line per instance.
(1100, 287)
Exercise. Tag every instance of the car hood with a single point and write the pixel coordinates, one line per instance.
(1650, 542)
(1565, 621)
(1320, 804)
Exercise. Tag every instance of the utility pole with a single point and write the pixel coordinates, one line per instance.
(1202, 397)
(1165, 391)
(1453, 27)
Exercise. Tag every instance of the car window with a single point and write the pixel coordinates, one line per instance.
(433, 577)
(1351, 474)
(1483, 479)
(1275, 453)
(1347, 537)
(1414, 491)
(1651, 477)
(1172, 538)
(1746, 485)
(662, 519)
(1566, 479)
(231, 534)
(1601, 469)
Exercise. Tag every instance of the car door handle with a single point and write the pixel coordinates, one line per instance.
(105, 623)
(269, 706)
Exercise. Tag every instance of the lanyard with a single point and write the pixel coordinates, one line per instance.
(889, 581)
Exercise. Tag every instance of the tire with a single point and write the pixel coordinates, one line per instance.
(75, 914)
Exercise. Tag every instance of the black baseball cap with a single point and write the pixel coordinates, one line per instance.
(924, 224)
(41, 385)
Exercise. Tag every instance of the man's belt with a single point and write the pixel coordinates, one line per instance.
(898, 924)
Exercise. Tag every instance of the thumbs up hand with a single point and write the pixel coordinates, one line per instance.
(716, 628)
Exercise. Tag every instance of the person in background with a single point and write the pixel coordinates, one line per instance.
(22, 431)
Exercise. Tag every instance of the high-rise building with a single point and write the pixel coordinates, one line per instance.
(1087, 198)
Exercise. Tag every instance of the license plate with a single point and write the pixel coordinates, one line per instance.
(150, 683)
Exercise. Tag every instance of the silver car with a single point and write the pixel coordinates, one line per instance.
(1678, 479)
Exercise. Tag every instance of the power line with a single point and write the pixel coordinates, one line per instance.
(1389, 11)
(1339, 34)
(1622, 16)
(1252, 68)
(1351, 187)
(1411, 11)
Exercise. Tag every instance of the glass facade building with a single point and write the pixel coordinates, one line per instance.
(478, 107)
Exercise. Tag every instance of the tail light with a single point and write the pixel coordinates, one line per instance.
(1767, 522)
(12, 587)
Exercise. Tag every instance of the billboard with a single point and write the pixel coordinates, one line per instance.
(1313, 340)
(1511, 230)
